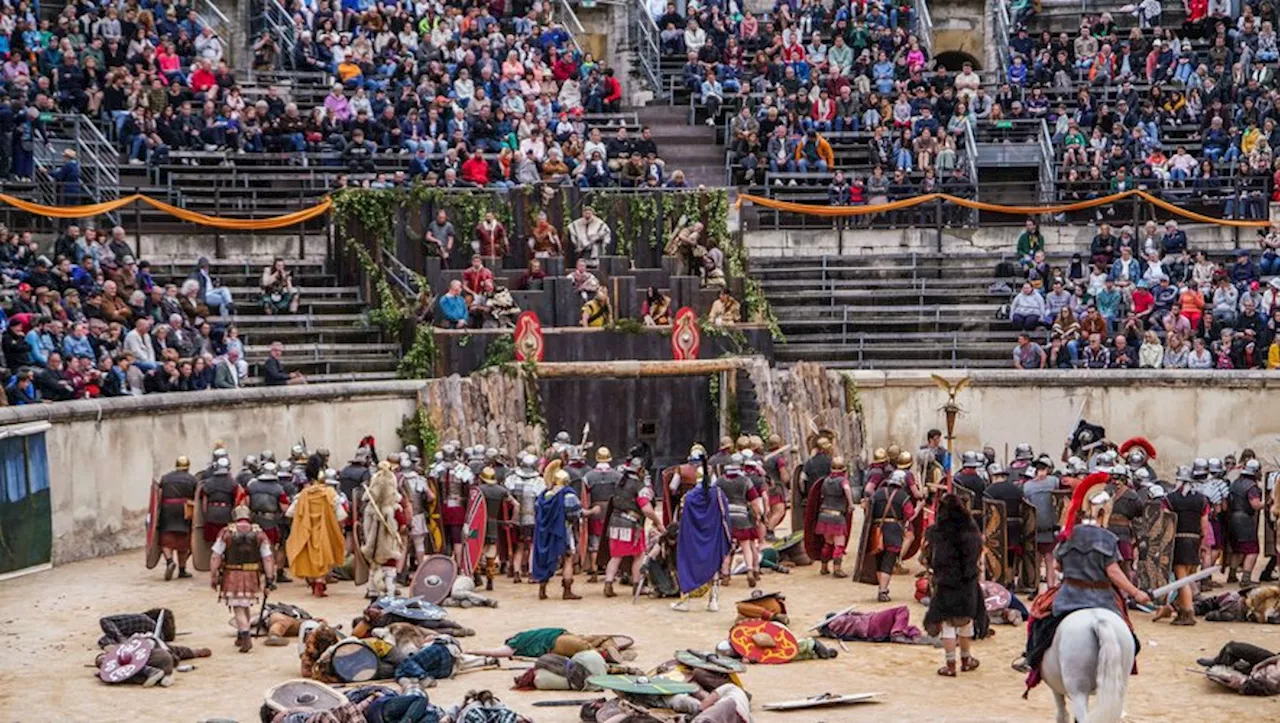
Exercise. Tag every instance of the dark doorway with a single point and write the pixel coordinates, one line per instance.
(954, 60)
(26, 515)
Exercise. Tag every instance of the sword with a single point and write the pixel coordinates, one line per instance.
(849, 609)
(564, 703)
(780, 450)
(1183, 582)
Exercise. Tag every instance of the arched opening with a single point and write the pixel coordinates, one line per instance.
(953, 60)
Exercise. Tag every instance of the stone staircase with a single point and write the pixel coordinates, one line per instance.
(690, 148)
(329, 339)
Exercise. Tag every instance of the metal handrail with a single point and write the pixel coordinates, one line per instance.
(572, 24)
(210, 15)
(276, 19)
(924, 26)
(971, 151)
(1003, 27)
(649, 46)
(1048, 168)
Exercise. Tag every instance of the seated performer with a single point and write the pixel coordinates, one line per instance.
(1089, 558)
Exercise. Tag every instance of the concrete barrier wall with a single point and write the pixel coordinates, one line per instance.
(103, 454)
(1186, 414)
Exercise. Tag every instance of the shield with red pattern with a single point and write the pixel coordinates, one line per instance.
(473, 532)
(127, 660)
(685, 335)
(781, 646)
(528, 338)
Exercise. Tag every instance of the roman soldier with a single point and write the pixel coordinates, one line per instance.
(577, 468)
(523, 487)
(703, 542)
(496, 497)
(678, 480)
(1038, 492)
(1243, 502)
(1022, 458)
(891, 507)
(1075, 471)
(776, 470)
(831, 523)
(1004, 489)
(356, 473)
(722, 453)
(754, 469)
(1138, 453)
(969, 479)
(1126, 506)
(816, 468)
(455, 481)
(315, 544)
(880, 466)
(475, 459)
(420, 498)
(632, 505)
(559, 447)
(601, 483)
(1089, 556)
(267, 503)
(177, 497)
(248, 471)
(1216, 490)
(556, 509)
(746, 509)
(381, 519)
(1191, 511)
(242, 553)
(217, 498)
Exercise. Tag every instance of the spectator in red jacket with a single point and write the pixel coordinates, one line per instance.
(475, 170)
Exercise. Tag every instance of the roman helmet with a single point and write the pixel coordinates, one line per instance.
(331, 476)
(970, 460)
(604, 455)
(562, 437)
(838, 464)
(897, 478)
(1200, 468)
(880, 456)
(529, 463)
(1215, 467)
(1183, 475)
(1022, 452)
(904, 460)
(1251, 469)
(892, 452)
(697, 453)
(182, 462)
(267, 456)
(251, 462)
(996, 470)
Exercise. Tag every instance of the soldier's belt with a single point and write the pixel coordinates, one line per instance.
(246, 567)
(634, 517)
(1087, 584)
(268, 515)
(830, 511)
(1188, 535)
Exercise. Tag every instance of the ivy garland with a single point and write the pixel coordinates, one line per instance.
(763, 428)
(532, 396)
(501, 350)
(852, 400)
(419, 362)
(465, 209)
(417, 429)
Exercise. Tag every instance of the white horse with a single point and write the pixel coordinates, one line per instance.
(1092, 654)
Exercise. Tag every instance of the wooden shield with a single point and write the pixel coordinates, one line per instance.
(1061, 501)
(785, 649)
(965, 494)
(201, 554)
(1268, 520)
(473, 532)
(308, 695)
(995, 540)
(669, 500)
(639, 685)
(922, 520)
(434, 579)
(864, 563)
(1029, 552)
(360, 566)
(435, 525)
(685, 335)
(582, 525)
(797, 498)
(1154, 556)
(813, 542)
(822, 701)
(127, 660)
(528, 338)
(153, 527)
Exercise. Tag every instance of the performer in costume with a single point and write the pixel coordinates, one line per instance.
(876, 472)
(217, 497)
(1243, 503)
(1038, 492)
(1004, 489)
(969, 478)
(1215, 488)
(745, 511)
(817, 467)
(381, 518)
(703, 542)
(524, 487)
(177, 494)
(242, 553)
(632, 505)
(680, 479)
(1191, 512)
(315, 544)
(600, 483)
(1089, 556)
(955, 548)
(1022, 459)
(495, 498)
(248, 471)
(556, 511)
(420, 499)
(891, 506)
(455, 485)
(1126, 507)
(832, 521)
(776, 470)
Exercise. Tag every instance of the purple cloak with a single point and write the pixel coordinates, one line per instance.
(702, 538)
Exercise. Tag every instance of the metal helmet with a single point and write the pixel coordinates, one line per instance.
(1022, 451)
(880, 456)
(1119, 470)
(323, 452)
(562, 437)
(604, 455)
(1142, 475)
(1251, 468)
(439, 456)
(747, 455)
(904, 460)
(412, 451)
(267, 456)
(970, 459)
(1200, 467)
(491, 453)
(222, 466)
(406, 463)
(1184, 473)
(251, 461)
(1137, 458)
(893, 451)
(697, 453)
(1155, 492)
(394, 458)
(448, 452)
(297, 451)
(1215, 466)
(995, 469)
(268, 469)
(1075, 465)
(898, 478)
(220, 453)
(528, 462)
(330, 474)
(735, 460)
(285, 467)
(576, 454)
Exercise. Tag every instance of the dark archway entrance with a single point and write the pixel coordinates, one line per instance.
(953, 60)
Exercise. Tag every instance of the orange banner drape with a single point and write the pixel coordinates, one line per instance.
(229, 224)
(837, 211)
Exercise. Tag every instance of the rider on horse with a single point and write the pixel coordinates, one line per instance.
(1089, 556)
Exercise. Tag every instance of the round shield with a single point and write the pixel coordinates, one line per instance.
(434, 579)
(995, 596)
(410, 609)
(641, 685)
(711, 661)
(354, 662)
(303, 695)
(743, 640)
(126, 660)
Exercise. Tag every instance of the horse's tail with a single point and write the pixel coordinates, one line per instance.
(1112, 674)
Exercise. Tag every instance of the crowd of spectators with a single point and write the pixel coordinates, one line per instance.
(807, 71)
(1186, 111)
(86, 319)
(1146, 299)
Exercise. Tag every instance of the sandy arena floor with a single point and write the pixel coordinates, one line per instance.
(48, 629)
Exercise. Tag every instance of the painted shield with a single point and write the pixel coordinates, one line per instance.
(201, 554)
(411, 609)
(712, 661)
(1029, 546)
(641, 685)
(1154, 556)
(153, 527)
(360, 566)
(435, 526)
(918, 524)
(995, 597)
(742, 639)
(508, 516)
(581, 526)
(434, 579)
(1061, 501)
(965, 494)
(127, 660)
(354, 662)
(822, 701)
(303, 695)
(685, 335)
(528, 338)
(864, 563)
(995, 541)
(788, 542)
(797, 498)
(473, 532)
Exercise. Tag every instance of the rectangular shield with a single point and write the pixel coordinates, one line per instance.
(1154, 539)
(1030, 578)
(864, 563)
(996, 553)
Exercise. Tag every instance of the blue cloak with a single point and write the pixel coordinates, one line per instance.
(550, 537)
(702, 539)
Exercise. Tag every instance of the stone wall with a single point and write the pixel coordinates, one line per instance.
(103, 454)
(1185, 414)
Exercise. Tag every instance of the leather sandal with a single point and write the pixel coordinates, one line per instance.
(968, 664)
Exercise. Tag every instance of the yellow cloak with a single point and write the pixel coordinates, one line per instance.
(315, 540)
